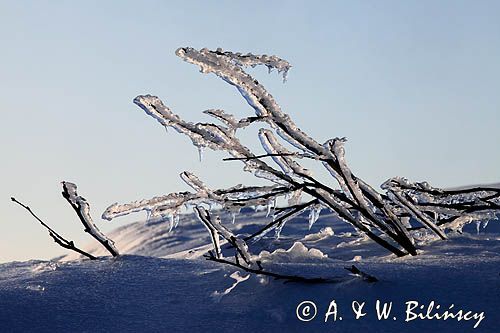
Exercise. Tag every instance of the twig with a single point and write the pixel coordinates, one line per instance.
(248, 158)
(276, 276)
(70, 245)
(257, 157)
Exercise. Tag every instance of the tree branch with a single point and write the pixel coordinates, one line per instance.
(70, 245)
(248, 158)
(82, 209)
(286, 277)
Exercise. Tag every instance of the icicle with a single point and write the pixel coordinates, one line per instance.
(176, 220)
(274, 207)
(314, 215)
(285, 75)
(485, 224)
(260, 236)
(233, 217)
(277, 231)
(171, 221)
(269, 207)
(200, 152)
(166, 128)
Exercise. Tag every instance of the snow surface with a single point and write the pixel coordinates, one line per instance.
(162, 283)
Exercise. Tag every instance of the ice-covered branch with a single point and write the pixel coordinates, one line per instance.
(170, 205)
(266, 107)
(204, 218)
(271, 62)
(444, 208)
(82, 209)
(381, 217)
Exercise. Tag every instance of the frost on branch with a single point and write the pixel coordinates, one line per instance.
(382, 217)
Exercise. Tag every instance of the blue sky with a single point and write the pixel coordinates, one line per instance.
(413, 85)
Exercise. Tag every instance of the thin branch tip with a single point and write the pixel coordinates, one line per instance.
(60, 240)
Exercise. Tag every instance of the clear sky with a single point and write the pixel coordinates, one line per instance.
(413, 85)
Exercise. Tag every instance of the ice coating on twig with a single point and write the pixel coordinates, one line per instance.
(270, 61)
(202, 135)
(82, 208)
(232, 198)
(172, 201)
(206, 135)
(416, 213)
(194, 182)
(285, 161)
(227, 119)
(203, 216)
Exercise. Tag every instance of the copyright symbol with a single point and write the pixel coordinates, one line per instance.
(306, 311)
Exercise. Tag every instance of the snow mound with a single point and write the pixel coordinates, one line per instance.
(324, 233)
(297, 253)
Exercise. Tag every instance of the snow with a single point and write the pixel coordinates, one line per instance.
(238, 279)
(163, 283)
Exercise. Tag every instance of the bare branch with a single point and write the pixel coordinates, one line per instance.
(257, 157)
(70, 245)
(277, 276)
(291, 278)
